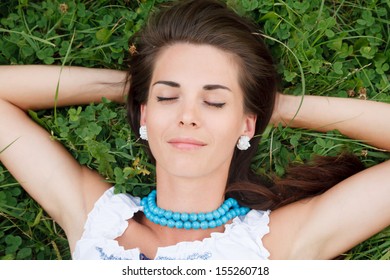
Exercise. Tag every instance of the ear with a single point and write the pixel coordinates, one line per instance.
(143, 115)
(250, 125)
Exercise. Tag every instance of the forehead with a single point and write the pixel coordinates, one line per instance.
(184, 62)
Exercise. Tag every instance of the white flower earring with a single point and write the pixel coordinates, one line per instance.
(243, 143)
(143, 132)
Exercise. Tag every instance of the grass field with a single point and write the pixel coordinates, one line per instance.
(333, 48)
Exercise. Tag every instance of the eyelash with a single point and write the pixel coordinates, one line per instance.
(216, 105)
(160, 99)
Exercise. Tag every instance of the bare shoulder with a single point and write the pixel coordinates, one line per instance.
(91, 189)
(284, 226)
(327, 225)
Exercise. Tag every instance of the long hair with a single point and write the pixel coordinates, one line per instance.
(210, 22)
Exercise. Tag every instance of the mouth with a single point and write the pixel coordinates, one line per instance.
(186, 144)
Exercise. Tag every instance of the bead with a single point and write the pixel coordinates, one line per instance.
(154, 210)
(196, 225)
(171, 223)
(221, 211)
(209, 216)
(179, 224)
(163, 221)
(187, 225)
(233, 202)
(201, 217)
(156, 219)
(184, 217)
(193, 217)
(228, 203)
(204, 225)
(235, 213)
(225, 207)
(224, 219)
(168, 214)
(216, 214)
(212, 224)
(244, 211)
(176, 216)
(227, 211)
(160, 212)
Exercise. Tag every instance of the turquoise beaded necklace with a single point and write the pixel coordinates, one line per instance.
(227, 211)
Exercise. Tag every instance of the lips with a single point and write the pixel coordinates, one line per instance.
(186, 143)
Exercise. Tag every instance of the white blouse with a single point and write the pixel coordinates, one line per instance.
(241, 240)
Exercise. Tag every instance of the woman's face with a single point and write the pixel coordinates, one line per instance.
(194, 113)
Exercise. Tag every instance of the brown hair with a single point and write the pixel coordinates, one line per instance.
(210, 22)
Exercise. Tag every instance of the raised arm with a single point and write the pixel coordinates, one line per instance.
(34, 86)
(327, 225)
(363, 120)
(41, 165)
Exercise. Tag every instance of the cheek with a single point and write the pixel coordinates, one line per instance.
(158, 122)
(155, 129)
(228, 129)
(155, 117)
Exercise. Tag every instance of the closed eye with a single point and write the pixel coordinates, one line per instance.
(160, 99)
(215, 104)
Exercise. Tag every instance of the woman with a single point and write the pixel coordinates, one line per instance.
(201, 86)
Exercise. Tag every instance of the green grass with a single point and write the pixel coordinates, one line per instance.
(332, 48)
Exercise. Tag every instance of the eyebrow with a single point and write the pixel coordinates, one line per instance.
(205, 87)
(167, 83)
(214, 87)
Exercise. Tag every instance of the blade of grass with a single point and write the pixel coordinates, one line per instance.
(59, 77)
(9, 145)
(28, 36)
(303, 80)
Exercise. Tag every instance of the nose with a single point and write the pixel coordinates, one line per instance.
(189, 115)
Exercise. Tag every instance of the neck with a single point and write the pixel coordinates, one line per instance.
(183, 194)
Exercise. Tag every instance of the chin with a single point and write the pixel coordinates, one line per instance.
(186, 168)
